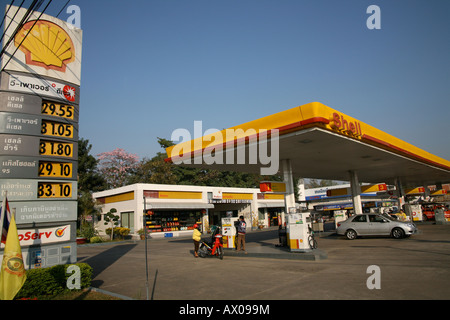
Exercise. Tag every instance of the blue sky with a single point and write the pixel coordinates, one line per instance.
(150, 67)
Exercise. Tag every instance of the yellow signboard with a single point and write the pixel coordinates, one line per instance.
(179, 195)
(237, 196)
(269, 186)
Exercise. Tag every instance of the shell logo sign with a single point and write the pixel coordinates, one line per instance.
(45, 44)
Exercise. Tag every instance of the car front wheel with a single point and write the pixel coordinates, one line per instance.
(398, 233)
(351, 234)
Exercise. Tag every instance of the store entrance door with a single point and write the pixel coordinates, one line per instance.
(274, 216)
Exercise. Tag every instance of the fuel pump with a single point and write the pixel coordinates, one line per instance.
(229, 232)
(298, 229)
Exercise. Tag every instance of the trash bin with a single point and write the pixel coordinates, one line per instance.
(439, 216)
(317, 226)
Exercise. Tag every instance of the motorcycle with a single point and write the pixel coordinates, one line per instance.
(214, 248)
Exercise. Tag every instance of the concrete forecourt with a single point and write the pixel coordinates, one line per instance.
(410, 268)
(311, 141)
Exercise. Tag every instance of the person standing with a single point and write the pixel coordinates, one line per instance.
(241, 229)
(196, 236)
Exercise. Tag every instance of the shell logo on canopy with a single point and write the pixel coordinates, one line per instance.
(45, 44)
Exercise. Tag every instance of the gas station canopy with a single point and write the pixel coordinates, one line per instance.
(321, 143)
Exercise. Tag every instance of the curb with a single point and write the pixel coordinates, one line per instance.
(110, 293)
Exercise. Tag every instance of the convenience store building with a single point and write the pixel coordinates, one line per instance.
(172, 210)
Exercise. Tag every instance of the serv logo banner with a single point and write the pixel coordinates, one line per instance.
(44, 45)
(37, 236)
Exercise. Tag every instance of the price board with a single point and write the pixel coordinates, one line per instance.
(29, 104)
(19, 167)
(56, 169)
(34, 189)
(39, 113)
(57, 129)
(59, 110)
(54, 190)
(18, 145)
(53, 148)
(35, 125)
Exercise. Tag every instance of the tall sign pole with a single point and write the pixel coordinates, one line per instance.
(39, 112)
(145, 239)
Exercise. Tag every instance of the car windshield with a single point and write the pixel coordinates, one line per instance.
(387, 216)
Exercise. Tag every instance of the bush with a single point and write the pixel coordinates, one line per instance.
(96, 239)
(87, 230)
(52, 281)
(118, 231)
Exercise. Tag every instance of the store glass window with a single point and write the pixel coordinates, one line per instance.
(127, 220)
(180, 220)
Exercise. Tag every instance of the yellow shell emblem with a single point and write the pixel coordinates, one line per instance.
(47, 45)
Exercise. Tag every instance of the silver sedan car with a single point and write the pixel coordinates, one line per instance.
(372, 224)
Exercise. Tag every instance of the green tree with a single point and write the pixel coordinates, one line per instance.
(89, 180)
(157, 170)
(112, 220)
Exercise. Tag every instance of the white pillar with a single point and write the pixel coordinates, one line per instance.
(289, 197)
(356, 192)
(400, 193)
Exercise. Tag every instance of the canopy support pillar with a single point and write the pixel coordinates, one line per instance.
(356, 192)
(289, 197)
(400, 193)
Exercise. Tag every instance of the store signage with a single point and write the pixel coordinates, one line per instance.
(439, 192)
(29, 237)
(237, 196)
(217, 194)
(415, 190)
(339, 122)
(179, 195)
(365, 189)
(374, 188)
(269, 186)
(229, 201)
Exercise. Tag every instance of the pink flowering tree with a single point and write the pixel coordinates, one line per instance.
(116, 166)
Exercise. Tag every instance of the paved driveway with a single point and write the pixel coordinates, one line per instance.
(413, 268)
